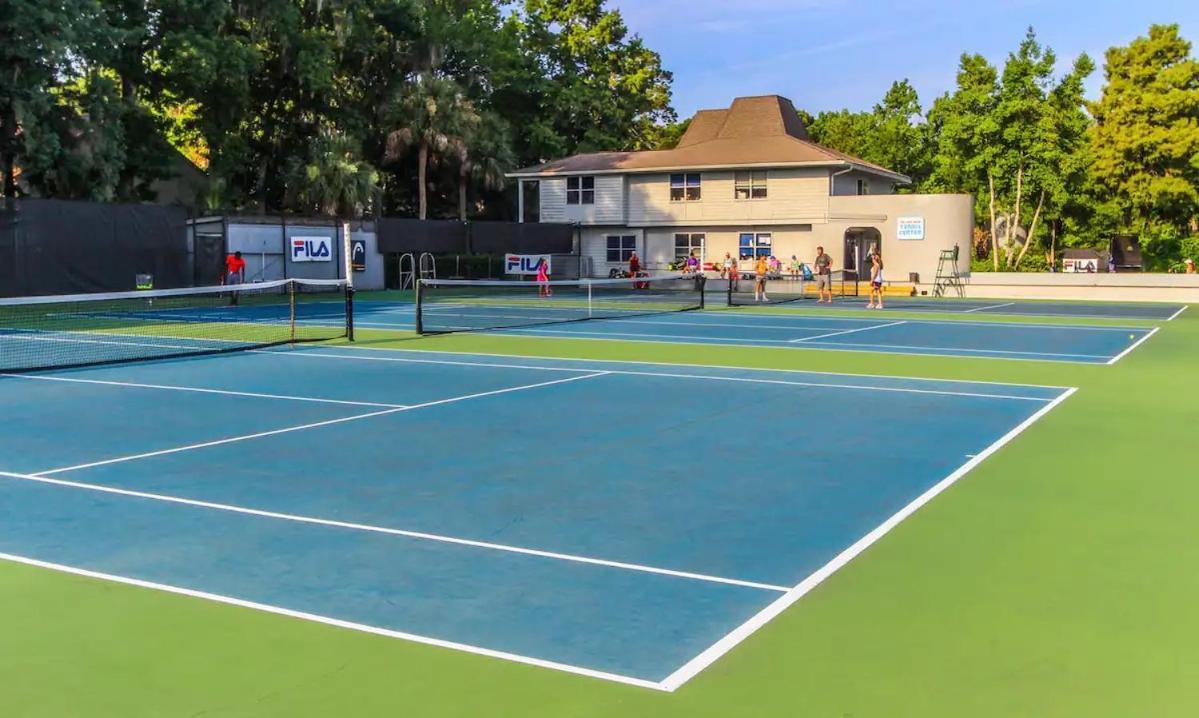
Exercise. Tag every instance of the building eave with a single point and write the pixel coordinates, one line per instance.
(893, 176)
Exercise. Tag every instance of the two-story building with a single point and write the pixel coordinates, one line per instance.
(745, 181)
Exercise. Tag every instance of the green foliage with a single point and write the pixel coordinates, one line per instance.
(333, 181)
(1146, 133)
(893, 134)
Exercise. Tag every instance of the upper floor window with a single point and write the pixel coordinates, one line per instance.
(684, 187)
(580, 190)
(749, 185)
(863, 186)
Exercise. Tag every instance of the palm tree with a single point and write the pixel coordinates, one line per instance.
(429, 116)
(333, 180)
(482, 157)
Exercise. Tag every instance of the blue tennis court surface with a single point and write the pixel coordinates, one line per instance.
(1040, 342)
(570, 514)
(1008, 307)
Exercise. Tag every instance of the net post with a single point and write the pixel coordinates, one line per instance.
(291, 310)
(420, 323)
(350, 312)
(730, 287)
(590, 312)
(701, 281)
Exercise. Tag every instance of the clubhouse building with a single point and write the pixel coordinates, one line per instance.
(745, 181)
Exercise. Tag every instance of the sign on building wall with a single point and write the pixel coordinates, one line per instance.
(358, 255)
(311, 249)
(909, 228)
(526, 263)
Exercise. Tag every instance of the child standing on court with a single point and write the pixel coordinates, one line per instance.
(543, 279)
(876, 280)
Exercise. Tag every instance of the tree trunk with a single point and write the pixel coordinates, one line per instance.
(1032, 228)
(994, 241)
(1014, 224)
(422, 160)
(462, 193)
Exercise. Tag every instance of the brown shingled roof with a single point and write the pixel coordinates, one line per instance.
(763, 130)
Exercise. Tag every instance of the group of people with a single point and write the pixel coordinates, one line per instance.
(767, 266)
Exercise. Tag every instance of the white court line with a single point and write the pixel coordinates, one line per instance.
(726, 644)
(303, 615)
(638, 362)
(198, 390)
(302, 427)
(369, 528)
(1134, 345)
(626, 372)
(847, 331)
(994, 306)
(929, 351)
(1181, 309)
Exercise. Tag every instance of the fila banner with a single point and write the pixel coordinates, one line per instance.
(526, 263)
(311, 249)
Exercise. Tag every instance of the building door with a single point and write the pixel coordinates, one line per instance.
(859, 243)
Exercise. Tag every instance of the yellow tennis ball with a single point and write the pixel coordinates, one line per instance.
(1132, 336)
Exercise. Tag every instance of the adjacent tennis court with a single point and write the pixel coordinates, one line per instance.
(657, 320)
(518, 508)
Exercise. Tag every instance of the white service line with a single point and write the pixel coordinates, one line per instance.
(199, 390)
(369, 528)
(314, 425)
(994, 306)
(1181, 309)
(703, 377)
(1134, 345)
(352, 349)
(908, 350)
(745, 630)
(303, 615)
(846, 331)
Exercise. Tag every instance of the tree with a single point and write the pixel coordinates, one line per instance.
(574, 80)
(1014, 139)
(334, 181)
(428, 116)
(40, 51)
(893, 134)
(482, 157)
(1146, 135)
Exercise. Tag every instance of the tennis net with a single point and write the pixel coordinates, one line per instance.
(783, 289)
(66, 331)
(448, 305)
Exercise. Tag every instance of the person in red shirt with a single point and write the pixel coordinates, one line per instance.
(235, 271)
(634, 264)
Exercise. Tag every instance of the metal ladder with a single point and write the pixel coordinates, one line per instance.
(948, 277)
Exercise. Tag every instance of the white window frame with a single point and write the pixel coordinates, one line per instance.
(583, 191)
(681, 253)
(689, 186)
(759, 241)
(624, 250)
(750, 182)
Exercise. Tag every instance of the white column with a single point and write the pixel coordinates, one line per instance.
(520, 201)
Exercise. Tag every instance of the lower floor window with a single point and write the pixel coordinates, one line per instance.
(621, 247)
(755, 244)
(688, 245)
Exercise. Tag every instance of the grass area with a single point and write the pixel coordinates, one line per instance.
(1057, 579)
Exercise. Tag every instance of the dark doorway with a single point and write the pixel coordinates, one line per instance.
(859, 243)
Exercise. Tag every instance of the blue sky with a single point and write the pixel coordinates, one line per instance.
(830, 54)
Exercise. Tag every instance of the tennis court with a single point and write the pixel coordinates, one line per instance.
(956, 305)
(962, 338)
(518, 508)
